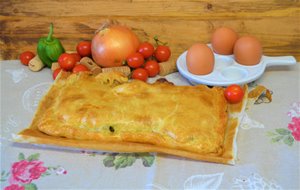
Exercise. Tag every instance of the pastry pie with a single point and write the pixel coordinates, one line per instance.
(109, 113)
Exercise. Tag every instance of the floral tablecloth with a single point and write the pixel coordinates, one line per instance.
(268, 145)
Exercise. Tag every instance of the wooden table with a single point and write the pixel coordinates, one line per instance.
(180, 23)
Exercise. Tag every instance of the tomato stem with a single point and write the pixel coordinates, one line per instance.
(158, 42)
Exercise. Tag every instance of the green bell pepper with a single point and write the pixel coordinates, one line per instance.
(49, 48)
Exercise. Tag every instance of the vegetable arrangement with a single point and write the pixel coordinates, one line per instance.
(114, 47)
(147, 60)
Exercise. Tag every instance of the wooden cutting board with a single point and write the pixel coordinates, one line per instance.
(180, 23)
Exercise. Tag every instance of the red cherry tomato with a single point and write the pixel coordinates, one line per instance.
(76, 56)
(84, 48)
(56, 72)
(152, 68)
(162, 53)
(66, 61)
(140, 74)
(146, 49)
(79, 68)
(135, 60)
(234, 94)
(25, 57)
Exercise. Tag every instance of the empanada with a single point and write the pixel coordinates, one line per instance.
(109, 113)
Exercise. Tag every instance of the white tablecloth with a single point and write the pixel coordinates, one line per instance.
(268, 147)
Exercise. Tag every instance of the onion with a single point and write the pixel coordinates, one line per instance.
(112, 44)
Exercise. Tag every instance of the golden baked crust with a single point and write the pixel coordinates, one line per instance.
(107, 112)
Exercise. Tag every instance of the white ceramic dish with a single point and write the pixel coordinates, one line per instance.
(227, 71)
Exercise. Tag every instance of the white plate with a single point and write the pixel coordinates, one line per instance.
(227, 71)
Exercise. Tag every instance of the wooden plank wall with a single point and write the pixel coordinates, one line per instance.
(276, 23)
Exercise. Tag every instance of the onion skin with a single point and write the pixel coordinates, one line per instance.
(113, 44)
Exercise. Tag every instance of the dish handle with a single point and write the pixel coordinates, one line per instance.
(279, 60)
